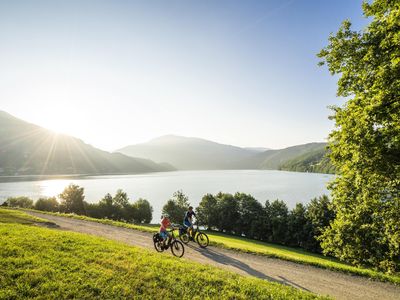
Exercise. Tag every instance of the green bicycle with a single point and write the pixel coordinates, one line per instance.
(200, 237)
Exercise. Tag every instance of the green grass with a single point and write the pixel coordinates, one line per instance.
(42, 263)
(15, 216)
(267, 249)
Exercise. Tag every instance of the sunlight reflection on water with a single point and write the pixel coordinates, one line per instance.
(50, 188)
(157, 188)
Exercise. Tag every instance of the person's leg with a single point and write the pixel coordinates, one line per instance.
(188, 225)
(191, 231)
(163, 235)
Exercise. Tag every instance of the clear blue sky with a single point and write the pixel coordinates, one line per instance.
(115, 73)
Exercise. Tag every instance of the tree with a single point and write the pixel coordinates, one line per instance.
(176, 207)
(319, 215)
(365, 144)
(142, 211)
(121, 208)
(207, 211)
(298, 229)
(228, 213)
(93, 210)
(250, 211)
(120, 199)
(72, 199)
(266, 225)
(23, 202)
(277, 213)
(47, 204)
(106, 207)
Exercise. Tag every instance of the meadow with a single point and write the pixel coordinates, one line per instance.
(43, 263)
(242, 244)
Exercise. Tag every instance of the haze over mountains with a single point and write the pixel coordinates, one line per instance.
(27, 149)
(188, 153)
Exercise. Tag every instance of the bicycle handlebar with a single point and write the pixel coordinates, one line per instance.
(173, 227)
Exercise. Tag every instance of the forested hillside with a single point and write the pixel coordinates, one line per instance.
(315, 162)
(29, 149)
(198, 154)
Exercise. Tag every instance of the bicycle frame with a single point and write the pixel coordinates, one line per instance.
(170, 239)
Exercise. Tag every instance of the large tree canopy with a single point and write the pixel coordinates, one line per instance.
(365, 144)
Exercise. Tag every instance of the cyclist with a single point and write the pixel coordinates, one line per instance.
(165, 223)
(187, 221)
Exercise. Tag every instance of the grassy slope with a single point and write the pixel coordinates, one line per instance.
(261, 248)
(45, 263)
(14, 216)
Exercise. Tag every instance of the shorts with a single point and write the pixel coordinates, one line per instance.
(164, 234)
(187, 224)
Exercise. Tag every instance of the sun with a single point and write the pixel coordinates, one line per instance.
(52, 188)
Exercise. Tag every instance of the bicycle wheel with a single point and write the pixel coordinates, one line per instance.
(177, 248)
(158, 246)
(184, 238)
(202, 239)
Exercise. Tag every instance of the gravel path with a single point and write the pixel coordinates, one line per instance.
(309, 278)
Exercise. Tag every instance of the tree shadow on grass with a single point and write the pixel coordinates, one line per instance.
(227, 260)
(288, 282)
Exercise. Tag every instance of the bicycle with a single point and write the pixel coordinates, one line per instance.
(176, 246)
(200, 237)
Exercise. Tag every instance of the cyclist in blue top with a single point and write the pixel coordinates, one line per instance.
(187, 221)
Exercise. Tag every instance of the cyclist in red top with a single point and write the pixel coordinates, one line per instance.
(165, 223)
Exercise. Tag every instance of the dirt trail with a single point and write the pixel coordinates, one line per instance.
(309, 278)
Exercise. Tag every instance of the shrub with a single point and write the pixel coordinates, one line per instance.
(22, 202)
(47, 204)
(72, 200)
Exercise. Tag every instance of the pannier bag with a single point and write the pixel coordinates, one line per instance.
(156, 237)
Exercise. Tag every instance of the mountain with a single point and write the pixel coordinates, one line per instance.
(313, 161)
(273, 159)
(188, 153)
(256, 149)
(27, 149)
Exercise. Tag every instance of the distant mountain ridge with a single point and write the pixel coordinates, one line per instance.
(314, 161)
(28, 149)
(188, 153)
(273, 159)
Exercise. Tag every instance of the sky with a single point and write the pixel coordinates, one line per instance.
(115, 73)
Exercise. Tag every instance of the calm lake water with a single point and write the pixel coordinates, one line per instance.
(157, 188)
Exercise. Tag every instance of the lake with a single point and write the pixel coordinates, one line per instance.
(157, 188)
